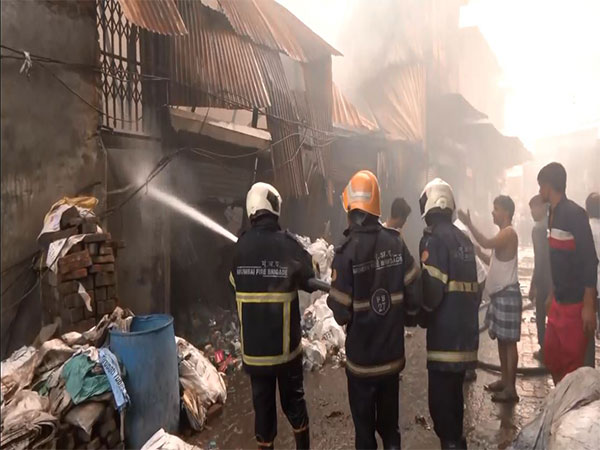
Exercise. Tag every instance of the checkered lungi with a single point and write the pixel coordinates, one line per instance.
(504, 314)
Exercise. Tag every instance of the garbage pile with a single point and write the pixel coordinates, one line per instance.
(569, 418)
(69, 391)
(223, 347)
(323, 339)
(60, 394)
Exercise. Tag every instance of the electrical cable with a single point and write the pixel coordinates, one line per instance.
(75, 93)
(40, 60)
(38, 281)
(18, 263)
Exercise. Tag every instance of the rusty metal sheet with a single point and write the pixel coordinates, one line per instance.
(158, 16)
(397, 98)
(268, 23)
(318, 82)
(346, 115)
(285, 134)
(212, 65)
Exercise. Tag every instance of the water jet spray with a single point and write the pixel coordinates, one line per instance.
(187, 210)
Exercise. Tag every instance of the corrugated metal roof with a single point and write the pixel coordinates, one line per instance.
(212, 65)
(346, 115)
(287, 150)
(217, 65)
(318, 82)
(158, 16)
(268, 23)
(397, 98)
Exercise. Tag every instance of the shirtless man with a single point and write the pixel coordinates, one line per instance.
(502, 286)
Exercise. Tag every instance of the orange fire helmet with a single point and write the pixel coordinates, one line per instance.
(362, 192)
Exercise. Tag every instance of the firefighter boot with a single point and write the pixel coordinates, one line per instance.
(302, 439)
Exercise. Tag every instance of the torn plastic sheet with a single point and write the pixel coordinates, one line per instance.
(26, 423)
(315, 354)
(560, 408)
(50, 355)
(85, 297)
(16, 360)
(110, 364)
(85, 416)
(161, 440)
(60, 248)
(202, 384)
(84, 205)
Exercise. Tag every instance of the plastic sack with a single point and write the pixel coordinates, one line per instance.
(330, 333)
(314, 354)
(577, 429)
(84, 205)
(26, 423)
(161, 440)
(202, 384)
(85, 416)
(561, 407)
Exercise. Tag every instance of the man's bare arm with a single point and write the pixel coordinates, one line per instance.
(485, 257)
(501, 240)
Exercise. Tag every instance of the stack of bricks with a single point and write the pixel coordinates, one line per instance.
(91, 264)
(105, 433)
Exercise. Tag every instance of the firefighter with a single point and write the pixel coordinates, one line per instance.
(269, 267)
(375, 287)
(450, 311)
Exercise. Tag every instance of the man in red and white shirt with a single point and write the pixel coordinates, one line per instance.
(571, 306)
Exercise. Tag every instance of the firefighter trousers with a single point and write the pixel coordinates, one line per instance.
(374, 406)
(291, 395)
(446, 407)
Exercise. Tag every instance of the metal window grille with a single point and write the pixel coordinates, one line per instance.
(120, 62)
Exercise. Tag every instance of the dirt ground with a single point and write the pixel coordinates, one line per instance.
(487, 425)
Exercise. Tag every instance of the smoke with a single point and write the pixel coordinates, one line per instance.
(382, 33)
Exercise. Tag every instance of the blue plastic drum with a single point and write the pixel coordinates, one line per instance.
(149, 354)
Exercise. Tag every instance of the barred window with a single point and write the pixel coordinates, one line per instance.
(120, 62)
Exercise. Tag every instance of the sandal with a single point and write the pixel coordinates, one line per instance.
(505, 397)
(496, 386)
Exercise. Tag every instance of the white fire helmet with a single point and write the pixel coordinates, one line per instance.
(437, 194)
(263, 197)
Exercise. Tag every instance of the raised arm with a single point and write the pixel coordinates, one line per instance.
(501, 240)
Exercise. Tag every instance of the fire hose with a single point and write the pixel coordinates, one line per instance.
(320, 285)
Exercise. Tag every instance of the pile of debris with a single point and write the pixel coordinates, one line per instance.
(224, 348)
(67, 392)
(58, 392)
(323, 339)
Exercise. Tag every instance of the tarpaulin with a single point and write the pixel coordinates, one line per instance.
(81, 381)
(552, 428)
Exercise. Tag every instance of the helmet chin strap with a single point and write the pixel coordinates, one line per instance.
(358, 216)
